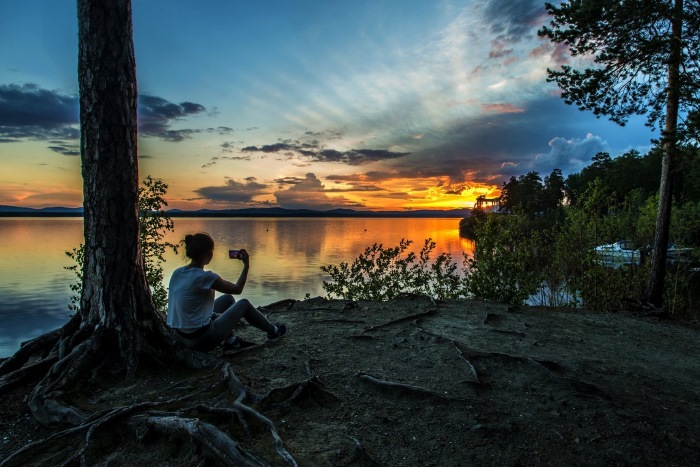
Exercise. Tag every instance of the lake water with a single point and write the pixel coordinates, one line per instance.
(286, 256)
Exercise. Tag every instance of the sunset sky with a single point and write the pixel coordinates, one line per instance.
(363, 104)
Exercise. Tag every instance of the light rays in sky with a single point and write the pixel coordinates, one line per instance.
(375, 105)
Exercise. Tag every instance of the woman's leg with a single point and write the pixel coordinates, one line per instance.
(222, 304)
(243, 309)
(222, 327)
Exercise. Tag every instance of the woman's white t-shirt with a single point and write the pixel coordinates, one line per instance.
(190, 298)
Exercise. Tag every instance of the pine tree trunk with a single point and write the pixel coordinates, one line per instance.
(115, 292)
(655, 287)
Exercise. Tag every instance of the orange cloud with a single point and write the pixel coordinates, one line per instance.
(502, 108)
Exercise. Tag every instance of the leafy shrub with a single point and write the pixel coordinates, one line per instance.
(153, 224)
(503, 268)
(384, 273)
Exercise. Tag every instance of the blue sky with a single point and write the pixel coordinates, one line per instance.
(382, 104)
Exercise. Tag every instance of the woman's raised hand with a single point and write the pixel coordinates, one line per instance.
(244, 256)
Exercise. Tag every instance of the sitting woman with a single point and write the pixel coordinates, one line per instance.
(200, 322)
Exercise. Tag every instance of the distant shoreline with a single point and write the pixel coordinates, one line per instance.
(319, 215)
(253, 212)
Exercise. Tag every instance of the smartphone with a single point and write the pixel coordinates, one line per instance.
(234, 254)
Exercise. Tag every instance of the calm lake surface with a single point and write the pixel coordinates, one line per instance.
(286, 256)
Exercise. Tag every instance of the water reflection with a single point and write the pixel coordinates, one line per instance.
(34, 286)
(286, 256)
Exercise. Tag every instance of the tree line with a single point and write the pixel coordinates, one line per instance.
(545, 232)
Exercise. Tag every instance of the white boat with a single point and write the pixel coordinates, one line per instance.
(678, 255)
(618, 254)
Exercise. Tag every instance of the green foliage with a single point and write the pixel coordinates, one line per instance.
(630, 43)
(685, 224)
(612, 199)
(469, 225)
(529, 195)
(505, 254)
(625, 173)
(597, 220)
(384, 273)
(78, 256)
(604, 288)
(153, 224)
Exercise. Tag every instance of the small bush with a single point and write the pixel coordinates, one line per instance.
(504, 265)
(384, 273)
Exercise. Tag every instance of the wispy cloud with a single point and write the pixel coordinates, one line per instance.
(512, 21)
(309, 148)
(157, 115)
(66, 149)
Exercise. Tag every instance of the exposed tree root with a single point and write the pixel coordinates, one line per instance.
(414, 296)
(361, 337)
(26, 373)
(282, 305)
(236, 386)
(344, 321)
(41, 346)
(26, 454)
(473, 373)
(311, 389)
(71, 356)
(216, 411)
(184, 384)
(279, 444)
(415, 317)
(472, 370)
(224, 449)
(508, 331)
(587, 388)
(492, 318)
(553, 369)
(307, 366)
(401, 389)
(361, 456)
(215, 445)
(323, 304)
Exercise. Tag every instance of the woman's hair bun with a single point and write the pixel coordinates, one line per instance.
(198, 244)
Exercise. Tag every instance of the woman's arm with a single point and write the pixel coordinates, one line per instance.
(224, 286)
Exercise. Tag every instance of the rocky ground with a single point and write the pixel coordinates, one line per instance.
(411, 382)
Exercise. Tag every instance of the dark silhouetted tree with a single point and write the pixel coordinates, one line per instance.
(644, 61)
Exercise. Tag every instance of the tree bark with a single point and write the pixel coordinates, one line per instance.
(655, 287)
(115, 293)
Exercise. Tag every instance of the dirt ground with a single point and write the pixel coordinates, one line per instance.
(414, 382)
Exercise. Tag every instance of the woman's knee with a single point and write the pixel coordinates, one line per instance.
(244, 302)
(223, 302)
(226, 298)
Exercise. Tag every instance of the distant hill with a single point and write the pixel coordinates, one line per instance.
(59, 211)
(282, 212)
(13, 211)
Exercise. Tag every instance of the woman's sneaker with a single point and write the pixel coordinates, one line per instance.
(236, 344)
(278, 332)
